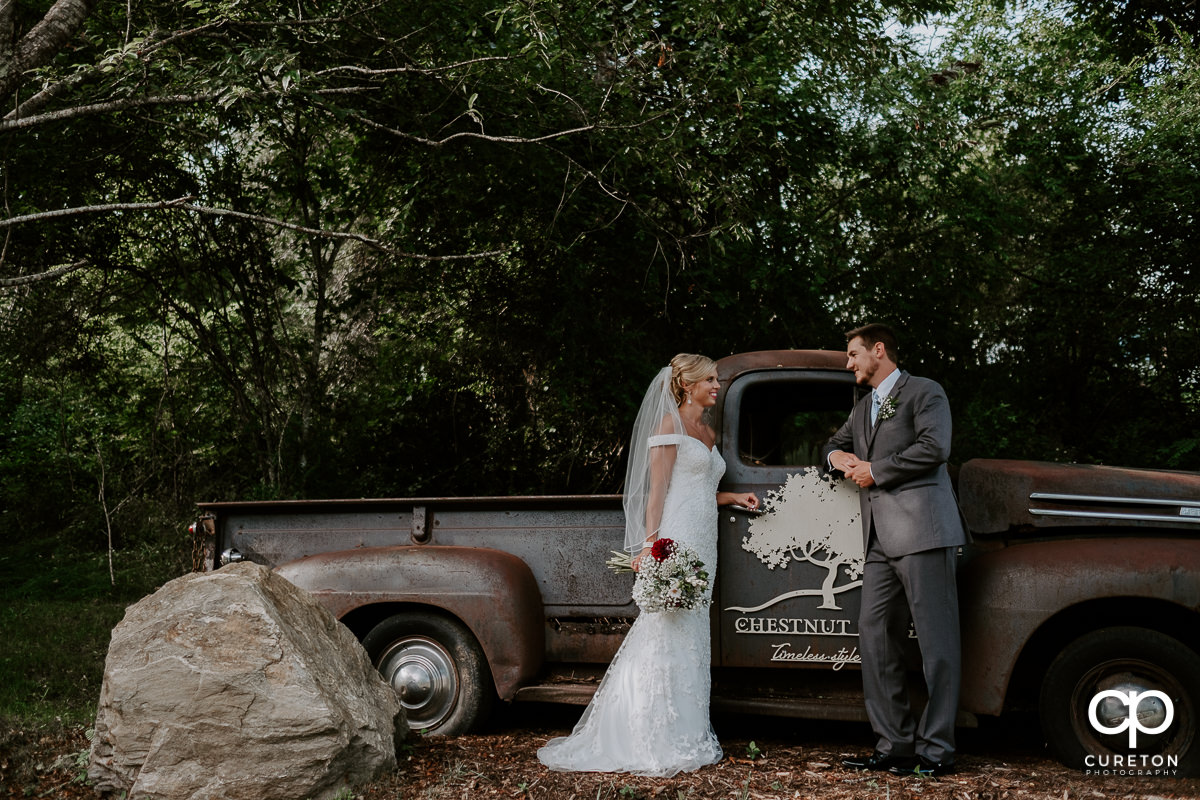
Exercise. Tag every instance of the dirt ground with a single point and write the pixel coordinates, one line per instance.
(788, 759)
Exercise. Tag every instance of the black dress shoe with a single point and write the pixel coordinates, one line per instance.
(881, 762)
(924, 768)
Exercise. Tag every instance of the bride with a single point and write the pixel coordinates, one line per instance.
(650, 714)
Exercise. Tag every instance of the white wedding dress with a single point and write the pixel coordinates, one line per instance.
(650, 714)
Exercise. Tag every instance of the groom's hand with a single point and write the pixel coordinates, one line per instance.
(860, 473)
(842, 461)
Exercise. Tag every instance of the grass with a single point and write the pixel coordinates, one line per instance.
(57, 611)
(53, 658)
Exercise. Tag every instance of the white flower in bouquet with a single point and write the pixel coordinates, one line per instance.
(671, 578)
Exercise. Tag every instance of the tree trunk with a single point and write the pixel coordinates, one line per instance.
(38, 47)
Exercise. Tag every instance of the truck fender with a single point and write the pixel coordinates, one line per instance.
(1008, 596)
(492, 592)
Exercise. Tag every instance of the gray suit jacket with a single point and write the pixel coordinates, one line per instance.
(912, 504)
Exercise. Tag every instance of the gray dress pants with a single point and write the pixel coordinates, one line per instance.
(920, 586)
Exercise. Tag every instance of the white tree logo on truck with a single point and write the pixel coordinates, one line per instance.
(815, 520)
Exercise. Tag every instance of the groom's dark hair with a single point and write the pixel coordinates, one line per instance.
(877, 332)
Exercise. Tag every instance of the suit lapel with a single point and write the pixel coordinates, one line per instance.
(873, 429)
(863, 410)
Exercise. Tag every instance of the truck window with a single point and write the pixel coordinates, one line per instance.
(786, 423)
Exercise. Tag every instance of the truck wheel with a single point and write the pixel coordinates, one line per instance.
(437, 667)
(1124, 660)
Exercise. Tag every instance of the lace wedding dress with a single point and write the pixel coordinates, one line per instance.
(650, 714)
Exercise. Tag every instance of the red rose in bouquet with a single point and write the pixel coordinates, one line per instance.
(662, 549)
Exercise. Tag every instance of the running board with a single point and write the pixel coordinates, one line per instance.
(847, 710)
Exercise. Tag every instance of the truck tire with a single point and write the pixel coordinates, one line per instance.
(1124, 659)
(437, 668)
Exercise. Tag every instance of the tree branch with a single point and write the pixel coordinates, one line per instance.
(13, 120)
(471, 134)
(403, 70)
(10, 124)
(144, 50)
(183, 204)
(39, 101)
(57, 272)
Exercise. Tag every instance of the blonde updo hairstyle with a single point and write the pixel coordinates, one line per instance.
(688, 368)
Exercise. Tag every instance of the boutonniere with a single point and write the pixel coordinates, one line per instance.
(887, 407)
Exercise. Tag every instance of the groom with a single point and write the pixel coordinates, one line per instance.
(894, 446)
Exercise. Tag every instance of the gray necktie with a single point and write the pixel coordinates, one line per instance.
(874, 407)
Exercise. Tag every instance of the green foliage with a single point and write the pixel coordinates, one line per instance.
(1025, 220)
(440, 250)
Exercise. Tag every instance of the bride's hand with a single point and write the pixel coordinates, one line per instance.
(749, 500)
(636, 563)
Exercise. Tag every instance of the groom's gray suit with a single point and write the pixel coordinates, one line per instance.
(911, 533)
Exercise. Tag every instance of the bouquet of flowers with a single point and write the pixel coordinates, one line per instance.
(672, 578)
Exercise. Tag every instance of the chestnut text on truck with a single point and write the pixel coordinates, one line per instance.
(1080, 593)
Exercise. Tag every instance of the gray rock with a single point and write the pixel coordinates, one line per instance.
(236, 684)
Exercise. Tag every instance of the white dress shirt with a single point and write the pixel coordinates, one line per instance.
(886, 386)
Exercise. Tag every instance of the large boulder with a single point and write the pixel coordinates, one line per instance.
(236, 684)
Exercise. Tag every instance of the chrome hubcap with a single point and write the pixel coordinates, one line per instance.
(1137, 677)
(422, 672)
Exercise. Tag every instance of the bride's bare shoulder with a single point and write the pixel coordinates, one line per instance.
(666, 426)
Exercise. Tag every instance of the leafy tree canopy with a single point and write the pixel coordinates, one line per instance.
(348, 248)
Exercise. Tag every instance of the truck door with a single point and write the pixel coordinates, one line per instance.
(789, 578)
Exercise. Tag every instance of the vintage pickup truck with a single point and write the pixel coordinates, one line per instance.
(1080, 592)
